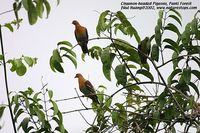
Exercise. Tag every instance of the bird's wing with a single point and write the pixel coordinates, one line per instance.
(89, 86)
(81, 34)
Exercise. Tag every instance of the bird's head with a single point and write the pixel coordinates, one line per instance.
(75, 22)
(78, 75)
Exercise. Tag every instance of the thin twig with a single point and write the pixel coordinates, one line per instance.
(84, 119)
(2, 13)
(76, 110)
(6, 81)
(80, 99)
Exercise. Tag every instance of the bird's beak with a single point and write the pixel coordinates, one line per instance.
(75, 76)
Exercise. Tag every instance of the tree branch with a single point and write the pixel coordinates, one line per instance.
(6, 81)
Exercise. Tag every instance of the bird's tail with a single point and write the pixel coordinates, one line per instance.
(85, 49)
(95, 99)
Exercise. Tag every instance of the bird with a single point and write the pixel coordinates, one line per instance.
(87, 88)
(144, 50)
(81, 35)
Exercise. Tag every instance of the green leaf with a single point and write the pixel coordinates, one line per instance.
(175, 18)
(73, 60)
(65, 43)
(54, 64)
(48, 7)
(25, 4)
(172, 43)
(2, 108)
(28, 60)
(158, 35)
(9, 26)
(155, 52)
(196, 59)
(68, 51)
(32, 12)
(15, 109)
(159, 23)
(107, 59)
(115, 117)
(35, 97)
(161, 14)
(121, 75)
(56, 55)
(195, 88)
(101, 26)
(108, 101)
(1, 57)
(187, 75)
(176, 12)
(132, 31)
(40, 115)
(39, 8)
(145, 73)
(126, 47)
(20, 67)
(55, 61)
(19, 112)
(174, 73)
(50, 93)
(173, 28)
(55, 107)
(196, 73)
(175, 60)
(24, 124)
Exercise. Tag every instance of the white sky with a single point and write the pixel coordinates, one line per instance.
(40, 39)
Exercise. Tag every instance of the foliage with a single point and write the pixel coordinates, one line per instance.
(18, 64)
(37, 111)
(153, 100)
(173, 101)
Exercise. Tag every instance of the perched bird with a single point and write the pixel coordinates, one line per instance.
(81, 35)
(144, 48)
(86, 88)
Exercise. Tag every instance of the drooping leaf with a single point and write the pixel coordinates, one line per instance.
(173, 28)
(20, 67)
(67, 43)
(2, 108)
(176, 12)
(176, 19)
(158, 35)
(174, 73)
(101, 26)
(73, 60)
(39, 8)
(48, 7)
(29, 61)
(32, 12)
(50, 93)
(155, 52)
(55, 107)
(196, 73)
(55, 61)
(9, 26)
(107, 59)
(175, 60)
(24, 123)
(187, 75)
(121, 75)
(172, 43)
(145, 73)
(195, 88)
(68, 51)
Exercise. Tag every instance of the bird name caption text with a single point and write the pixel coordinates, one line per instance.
(181, 5)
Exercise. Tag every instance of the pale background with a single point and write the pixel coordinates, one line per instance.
(40, 39)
